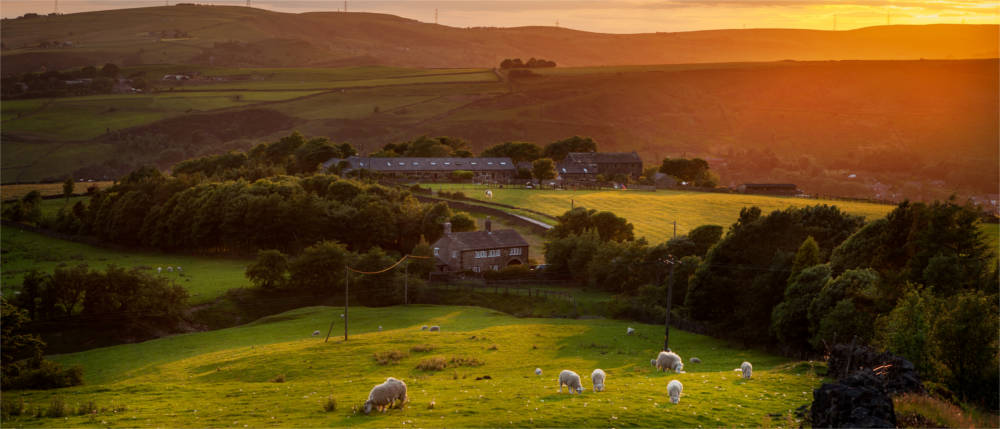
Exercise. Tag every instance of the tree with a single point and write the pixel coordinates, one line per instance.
(842, 309)
(558, 150)
(807, 256)
(110, 71)
(607, 225)
(704, 237)
(382, 289)
(313, 153)
(965, 337)
(320, 268)
(907, 329)
(688, 170)
(543, 169)
(17, 345)
(269, 271)
(790, 318)
(461, 222)
(462, 175)
(517, 151)
(68, 188)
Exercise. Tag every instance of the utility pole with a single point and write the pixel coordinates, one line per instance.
(406, 282)
(670, 300)
(347, 288)
(675, 229)
(435, 15)
(345, 6)
(57, 6)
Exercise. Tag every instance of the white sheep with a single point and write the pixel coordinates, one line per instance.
(598, 378)
(159, 270)
(316, 332)
(629, 331)
(435, 328)
(170, 269)
(669, 360)
(571, 380)
(674, 389)
(384, 395)
(179, 269)
(538, 371)
(380, 328)
(423, 328)
(747, 369)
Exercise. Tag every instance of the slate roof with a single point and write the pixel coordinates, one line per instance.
(475, 240)
(426, 164)
(603, 157)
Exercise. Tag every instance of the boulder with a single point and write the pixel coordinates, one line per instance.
(858, 401)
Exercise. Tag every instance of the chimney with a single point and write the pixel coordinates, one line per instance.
(447, 228)
(489, 225)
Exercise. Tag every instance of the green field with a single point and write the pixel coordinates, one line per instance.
(653, 213)
(223, 378)
(205, 278)
(81, 118)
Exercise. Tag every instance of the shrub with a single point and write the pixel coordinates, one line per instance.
(11, 407)
(464, 361)
(280, 378)
(913, 410)
(420, 348)
(432, 364)
(57, 408)
(330, 405)
(389, 357)
(84, 409)
(48, 375)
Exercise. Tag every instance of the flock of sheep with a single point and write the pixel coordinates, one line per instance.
(169, 269)
(392, 392)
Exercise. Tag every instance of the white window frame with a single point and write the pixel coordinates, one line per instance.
(475, 269)
(436, 249)
(516, 251)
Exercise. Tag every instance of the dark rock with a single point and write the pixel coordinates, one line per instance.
(859, 401)
(898, 375)
(485, 377)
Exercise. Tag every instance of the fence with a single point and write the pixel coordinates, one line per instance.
(508, 287)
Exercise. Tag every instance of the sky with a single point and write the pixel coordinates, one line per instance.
(609, 16)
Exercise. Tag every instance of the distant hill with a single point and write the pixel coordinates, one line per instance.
(241, 36)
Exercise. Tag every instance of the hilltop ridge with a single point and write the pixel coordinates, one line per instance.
(241, 36)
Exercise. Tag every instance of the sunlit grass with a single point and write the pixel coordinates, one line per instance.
(224, 378)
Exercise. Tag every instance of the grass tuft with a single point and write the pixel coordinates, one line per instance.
(389, 357)
(330, 405)
(57, 408)
(913, 410)
(280, 378)
(421, 348)
(432, 364)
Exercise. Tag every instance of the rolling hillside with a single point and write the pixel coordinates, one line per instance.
(240, 36)
(231, 377)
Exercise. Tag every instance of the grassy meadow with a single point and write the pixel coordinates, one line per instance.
(653, 213)
(8, 192)
(205, 278)
(230, 377)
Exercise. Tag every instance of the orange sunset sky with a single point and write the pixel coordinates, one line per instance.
(610, 16)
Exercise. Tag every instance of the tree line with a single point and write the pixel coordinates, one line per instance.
(922, 283)
(68, 83)
(515, 63)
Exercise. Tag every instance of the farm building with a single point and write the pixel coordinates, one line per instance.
(769, 188)
(478, 251)
(585, 166)
(489, 170)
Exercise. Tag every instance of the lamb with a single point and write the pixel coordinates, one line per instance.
(669, 360)
(435, 328)
(423, 328)
(538, 371)
(598, 378)
(674, 389)
(571, 380)
(695, 360)
(385, 395)
(629, 331)
(747, 369)
(316, 332)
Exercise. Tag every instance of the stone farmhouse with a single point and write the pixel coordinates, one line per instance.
(478, 251)
(585, 166)
(486, 170)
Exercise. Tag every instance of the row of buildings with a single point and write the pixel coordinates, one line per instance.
(576, 167)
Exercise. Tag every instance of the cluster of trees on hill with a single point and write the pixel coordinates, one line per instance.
(320, 270)
(921, 283)
(83, 81)
(543, 159)
(22, 356)
(515, 63)
(694, 171)
(293, 154)
(429, 147)
(281, 212)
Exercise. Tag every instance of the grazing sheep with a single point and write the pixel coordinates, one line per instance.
(435, 328)
(695, 360)
(674, 389)
(179, 269)
(380, 328)
(401, 395)
(747, 369)
(598, 378)
(669, 360)
(159, 270)
(170, 269)
(538, 371)
(571, 380)
(316, 332)
(384, 395)
(423, 328)
(629, 331)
